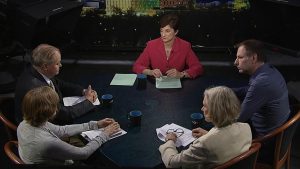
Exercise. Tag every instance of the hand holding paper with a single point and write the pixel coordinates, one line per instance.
(70, 101)
(105, 122)
(166, 82)
(173, 73)
(112, 128)
(90, 94)
(89, 135)
(184, 135)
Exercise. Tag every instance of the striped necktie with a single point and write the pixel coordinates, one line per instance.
(51, 85)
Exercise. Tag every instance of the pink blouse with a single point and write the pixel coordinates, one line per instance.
(182, 58)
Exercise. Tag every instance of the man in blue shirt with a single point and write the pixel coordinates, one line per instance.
(265, 100)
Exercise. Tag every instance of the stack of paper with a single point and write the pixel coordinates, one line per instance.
(165, 82)
(70, 101)
(123, 79)
(89, 135)
(185, 139)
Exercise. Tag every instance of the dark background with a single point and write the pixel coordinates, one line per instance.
(88, 49)
(271, 21)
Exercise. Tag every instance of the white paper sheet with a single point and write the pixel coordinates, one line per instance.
(185, 139)
(123, 79)
(89, 135)
(70, 101)
(165, 82)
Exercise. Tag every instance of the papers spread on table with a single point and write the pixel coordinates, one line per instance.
(91, 134)
(166, 82)
(123, 79)
(183, 140)
(70, 101)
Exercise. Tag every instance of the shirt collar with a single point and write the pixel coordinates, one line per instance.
(174, 46)
(46, 78)
(262, 68)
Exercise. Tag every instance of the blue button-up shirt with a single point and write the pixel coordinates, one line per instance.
(265, 102)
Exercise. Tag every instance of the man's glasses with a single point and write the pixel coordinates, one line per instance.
(179, 132)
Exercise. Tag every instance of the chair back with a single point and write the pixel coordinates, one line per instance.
(7, 117)
(283, 140)
(11, 150)
(246, 160)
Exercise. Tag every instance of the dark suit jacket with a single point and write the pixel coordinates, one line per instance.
(30, 79)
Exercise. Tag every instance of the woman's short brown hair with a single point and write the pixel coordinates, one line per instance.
(39, 105)
(170, 19)
(223, 105)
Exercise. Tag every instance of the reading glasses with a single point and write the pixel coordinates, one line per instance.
(179, 131)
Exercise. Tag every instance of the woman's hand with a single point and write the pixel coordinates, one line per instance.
(112, 128)
(156, 73)
(174, 73)
(198, 132)
(171, 136)
(105, 122)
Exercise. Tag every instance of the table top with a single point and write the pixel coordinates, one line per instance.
(139, 147)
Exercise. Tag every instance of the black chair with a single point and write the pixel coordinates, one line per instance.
(246, 160)
(283, 137)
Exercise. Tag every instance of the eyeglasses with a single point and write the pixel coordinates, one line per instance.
(179, 132)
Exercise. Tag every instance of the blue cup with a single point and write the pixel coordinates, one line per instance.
(107, 100)
(141, 81)
(135, 117)
(197, 120)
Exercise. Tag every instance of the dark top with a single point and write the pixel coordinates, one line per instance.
(30, 79)
(265, 102)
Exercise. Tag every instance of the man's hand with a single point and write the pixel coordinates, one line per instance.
(90, 94)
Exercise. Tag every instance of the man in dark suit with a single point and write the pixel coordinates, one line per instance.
(45, 65)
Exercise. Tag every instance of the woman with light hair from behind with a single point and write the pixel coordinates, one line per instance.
(40, 141)
(226, 140)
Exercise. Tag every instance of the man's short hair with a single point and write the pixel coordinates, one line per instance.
(43, 54)
(254, 46)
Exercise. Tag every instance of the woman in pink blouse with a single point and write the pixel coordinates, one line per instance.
(168, 55)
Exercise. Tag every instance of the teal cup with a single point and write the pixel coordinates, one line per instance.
(196, 120)
(107, 100)
(141, 81)
(135, 117)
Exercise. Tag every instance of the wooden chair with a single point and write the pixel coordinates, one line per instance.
(283, 140)
(6, 117)
(246, 160)
(10, 128)
(11, 150)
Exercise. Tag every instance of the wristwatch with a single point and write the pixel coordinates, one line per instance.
(183, 74)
